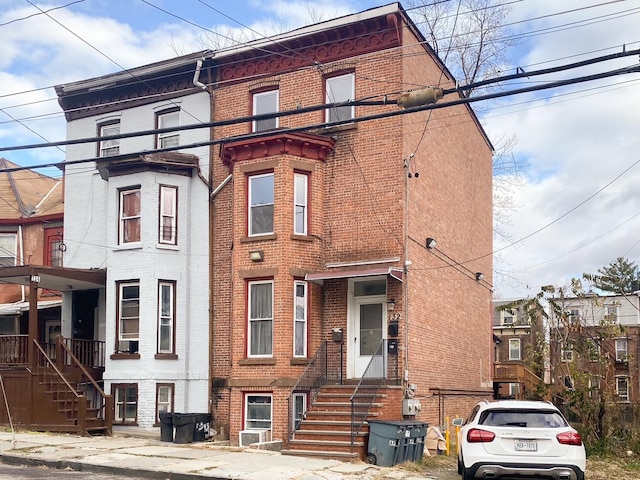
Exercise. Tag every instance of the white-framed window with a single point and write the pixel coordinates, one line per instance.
(260, 308)
(164, 398)
(300, 319)
(300, 207)
(514, 349)
(125, 398)
(258, 411)
(129, 221)
(594, 386)
(574, 316)
(265, 102)
(8, 249)
(299, 408)
(593, 349)
(568, 382)
(166, 316)
(514, 390)
(261, 204)
(622, 388)
(611, 312)
(338, 89)
(128, 311)
(622, 353)
(566, 352)
(168, 215)
(109, 148)
(168, 119)
(507, 318)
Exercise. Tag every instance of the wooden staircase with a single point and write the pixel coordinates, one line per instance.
(68, 402)
(325, 431)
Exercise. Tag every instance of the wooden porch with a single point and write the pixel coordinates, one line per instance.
(528, 383)
(54, 387)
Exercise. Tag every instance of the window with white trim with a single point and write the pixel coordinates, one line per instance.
(258, 411)
(622, 388)
(611, 312)
(164, 399)
(263, 103)
(168, 215)
(507, 318)
(261, 204)
(8, 249)
(168, 119)
(299, 408)
(622, 353)
(338, 89)
(300, 319)
(128, 313)
(129, 216)
(166, 316)
(260, 308)
(300, 207)
(566, 352)
(111, 147)
(514, 349)
(568, 382)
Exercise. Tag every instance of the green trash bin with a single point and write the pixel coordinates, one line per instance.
(166, 427)
(386, 443)
(185, 424)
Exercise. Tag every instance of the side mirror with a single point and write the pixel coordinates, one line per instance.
(457, 422)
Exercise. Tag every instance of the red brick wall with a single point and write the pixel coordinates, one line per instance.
(358, 214)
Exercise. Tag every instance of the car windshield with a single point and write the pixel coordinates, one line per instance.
(522, 418)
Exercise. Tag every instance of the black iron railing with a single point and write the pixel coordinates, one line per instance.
(325, 367)
(382, 369)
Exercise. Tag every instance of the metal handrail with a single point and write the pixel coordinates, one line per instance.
(323, 368)
(374, 376)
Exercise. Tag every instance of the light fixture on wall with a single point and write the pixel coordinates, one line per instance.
(391, 304)
(431, 243)
(479, 276)
(256, 255)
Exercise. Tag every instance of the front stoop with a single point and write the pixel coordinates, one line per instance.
(325, 432)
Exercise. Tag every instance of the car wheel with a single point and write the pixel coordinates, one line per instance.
(466, 474)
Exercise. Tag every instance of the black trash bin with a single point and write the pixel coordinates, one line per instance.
(185, 424)
(166, 427)
(202, 428)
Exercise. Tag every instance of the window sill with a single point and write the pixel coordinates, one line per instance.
(257, 361)
(302, 238)
(166, 356)
(127, 246)
(259, 238)
(167, 246)
(341, 128)
(125, 356)
(300, 361)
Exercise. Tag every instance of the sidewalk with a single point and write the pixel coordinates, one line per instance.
(141, 454)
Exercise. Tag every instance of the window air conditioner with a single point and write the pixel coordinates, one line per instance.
(247, 437)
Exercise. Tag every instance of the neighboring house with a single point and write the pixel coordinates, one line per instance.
(143, 218)
(515, 340)
(31, 232)
(363, 244)
(594, 344)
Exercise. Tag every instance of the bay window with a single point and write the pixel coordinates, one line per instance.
(129, 216)
(261, 204)
(260, 334)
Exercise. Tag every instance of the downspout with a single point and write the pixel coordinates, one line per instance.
(20, 239)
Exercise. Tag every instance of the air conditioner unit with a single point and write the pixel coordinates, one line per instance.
(247, 437)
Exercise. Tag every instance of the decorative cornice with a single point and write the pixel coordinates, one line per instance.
(348, 41)
(305, 145)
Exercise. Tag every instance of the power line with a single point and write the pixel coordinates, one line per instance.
(42, 12)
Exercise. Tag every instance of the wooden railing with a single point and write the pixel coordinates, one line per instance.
(90, 353)
(13, 349)
(516, 373)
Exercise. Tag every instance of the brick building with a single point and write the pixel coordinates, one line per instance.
(328, 230)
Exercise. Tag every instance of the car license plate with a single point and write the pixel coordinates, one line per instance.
(526, 446)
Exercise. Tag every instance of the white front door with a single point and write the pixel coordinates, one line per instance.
(368, 327)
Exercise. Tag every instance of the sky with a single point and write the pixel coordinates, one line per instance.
(572, 208)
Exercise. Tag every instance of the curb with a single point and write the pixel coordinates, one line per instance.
(103, 469)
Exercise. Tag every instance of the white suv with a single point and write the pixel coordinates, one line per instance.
(513, 438)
